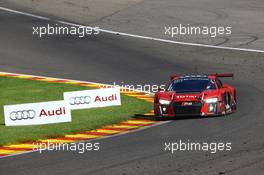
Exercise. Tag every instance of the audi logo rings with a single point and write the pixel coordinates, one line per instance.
(22, 115)
(80, 100)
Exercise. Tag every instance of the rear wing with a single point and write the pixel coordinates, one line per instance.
(172, 77)
(223, 75)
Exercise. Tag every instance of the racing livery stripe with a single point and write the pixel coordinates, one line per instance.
(122, 127)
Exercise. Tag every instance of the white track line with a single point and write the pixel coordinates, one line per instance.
(136, 36)
(24, 13)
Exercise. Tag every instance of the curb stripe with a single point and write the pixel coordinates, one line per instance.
(15, 149)
(134, 124)
(116, 129)
(25, 146)
(123, 126)
(139, 122)
(94, 133)
(2, 151)
(83, 136)
(55, 141)
(108, 131)
(71, 139)
(3, 155)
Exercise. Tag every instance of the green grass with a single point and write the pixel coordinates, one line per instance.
(17, 91)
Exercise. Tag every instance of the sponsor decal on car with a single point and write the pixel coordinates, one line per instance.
(187, 103)
(186, 96)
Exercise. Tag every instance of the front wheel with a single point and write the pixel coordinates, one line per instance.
(158, 118)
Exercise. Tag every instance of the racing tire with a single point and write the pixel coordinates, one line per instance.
(158, 118)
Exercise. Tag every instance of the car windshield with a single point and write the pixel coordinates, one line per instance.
(184, 85)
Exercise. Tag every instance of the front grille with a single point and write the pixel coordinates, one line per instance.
(194, 109)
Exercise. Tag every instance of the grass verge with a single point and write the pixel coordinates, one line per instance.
(17, 91)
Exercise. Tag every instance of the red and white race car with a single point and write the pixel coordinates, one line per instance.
(201, 95)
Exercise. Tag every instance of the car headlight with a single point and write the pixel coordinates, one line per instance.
(164, 102)
(211, 100)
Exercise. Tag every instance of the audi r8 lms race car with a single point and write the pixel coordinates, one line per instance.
(200, 95)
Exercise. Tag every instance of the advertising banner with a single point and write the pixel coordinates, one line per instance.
(93, 98)
(37, 113)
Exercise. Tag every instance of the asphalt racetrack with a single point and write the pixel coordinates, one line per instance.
(110, 58)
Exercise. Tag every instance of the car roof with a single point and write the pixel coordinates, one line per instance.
(193, 76)
(198, 76)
